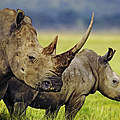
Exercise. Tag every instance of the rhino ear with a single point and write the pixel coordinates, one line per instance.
(51, 48)
(19, 17)
(108, 56)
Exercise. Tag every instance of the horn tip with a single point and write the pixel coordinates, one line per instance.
(93, 14)
(56, 38)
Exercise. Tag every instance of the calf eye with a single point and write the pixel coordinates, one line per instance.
(115, 81)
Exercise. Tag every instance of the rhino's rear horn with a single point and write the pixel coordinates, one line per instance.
(51, 48)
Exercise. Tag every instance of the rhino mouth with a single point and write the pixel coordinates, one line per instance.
(51, 84)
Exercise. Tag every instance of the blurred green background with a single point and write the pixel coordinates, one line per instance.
(69, 20)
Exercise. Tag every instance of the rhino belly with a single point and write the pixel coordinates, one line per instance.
(43, 101)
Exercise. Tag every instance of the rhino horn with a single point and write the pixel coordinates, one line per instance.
(108, 56)
(51, 48)
(63, 60)
(80, 44)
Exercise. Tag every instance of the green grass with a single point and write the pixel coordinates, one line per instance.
(96, 107)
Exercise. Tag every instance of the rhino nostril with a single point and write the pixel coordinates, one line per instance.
(46, 84)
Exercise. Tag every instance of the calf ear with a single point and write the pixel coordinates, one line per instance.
(19, 17)
(108, 56)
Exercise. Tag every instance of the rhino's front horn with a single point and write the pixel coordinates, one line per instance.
(64, 59)
(80, 44)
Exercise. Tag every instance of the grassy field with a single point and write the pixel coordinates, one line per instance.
(96, 107)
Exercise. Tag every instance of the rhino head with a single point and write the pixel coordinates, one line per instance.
(109, 81)
(38, 67)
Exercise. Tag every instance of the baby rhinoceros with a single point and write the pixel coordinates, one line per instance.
(87, 73)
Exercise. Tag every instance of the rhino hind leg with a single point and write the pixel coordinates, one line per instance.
(51, 113)
(73, 106)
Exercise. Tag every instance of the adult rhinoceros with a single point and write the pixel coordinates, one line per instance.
(87, 73)
(22, 56)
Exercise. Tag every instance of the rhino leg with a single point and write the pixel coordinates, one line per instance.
(9, 104)
(73, 106)
(3, 89)
(17, 110)
(51, 113)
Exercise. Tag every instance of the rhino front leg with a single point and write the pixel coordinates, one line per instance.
(9, 104)
(51, 113)
(3, 89)
(73, 106)
(19, 109)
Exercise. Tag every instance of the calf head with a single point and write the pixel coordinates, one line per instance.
(109, 81)
(38, 67)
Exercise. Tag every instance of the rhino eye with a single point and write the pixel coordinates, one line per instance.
(31, 58)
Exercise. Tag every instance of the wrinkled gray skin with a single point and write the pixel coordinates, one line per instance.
(87, 73)
(22, 56)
